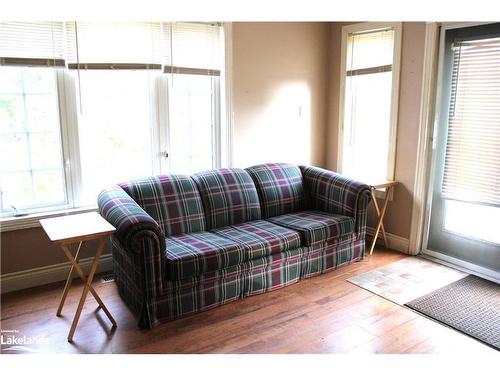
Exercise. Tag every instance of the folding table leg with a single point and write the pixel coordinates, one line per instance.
(87, 286)
(91, 289)
(69, 280)
(377, 209)
(379, 225)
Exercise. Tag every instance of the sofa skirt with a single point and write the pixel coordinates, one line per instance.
(185, 297)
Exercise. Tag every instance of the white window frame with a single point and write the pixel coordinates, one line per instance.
(396, 67)
(226, 109)
(161, 132)
(61, 119)
(162, 118)
(68, 118)
(69, 136)
(216, 120)
(70, 152)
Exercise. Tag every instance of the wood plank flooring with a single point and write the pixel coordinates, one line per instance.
(324, 314)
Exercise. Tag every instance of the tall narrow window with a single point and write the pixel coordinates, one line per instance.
(31, 166)
(114, 65)
(192, 123)
(194, 62)
(32, 174)
(369, 98)
(115, 128)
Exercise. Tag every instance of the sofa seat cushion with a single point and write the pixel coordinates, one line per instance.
(316, 226)
(261, 238)
(193, 254)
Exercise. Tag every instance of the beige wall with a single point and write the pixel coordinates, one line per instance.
(279, 92)
(333, 93)
(30, 248)
(398, 217)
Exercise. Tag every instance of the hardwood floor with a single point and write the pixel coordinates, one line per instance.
(324, 314)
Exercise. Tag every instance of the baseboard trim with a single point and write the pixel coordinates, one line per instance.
(395, 242)
(11, 282)
(462, 265)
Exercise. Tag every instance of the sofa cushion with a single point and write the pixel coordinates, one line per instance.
(316, 226)
(173, 201)
(229, 196)
(280, 188)
(261, 238)
(332, 192)
(196, 253)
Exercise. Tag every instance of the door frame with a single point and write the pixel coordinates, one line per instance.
(427, 155)
(424, 141)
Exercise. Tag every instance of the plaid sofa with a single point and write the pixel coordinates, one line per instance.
(185, 244)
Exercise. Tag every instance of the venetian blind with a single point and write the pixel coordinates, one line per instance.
(32, 43)
(472, 159)
(103, 45)
(192, 45)
(369, 50)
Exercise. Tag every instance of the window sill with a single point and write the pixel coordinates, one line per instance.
(33, 220)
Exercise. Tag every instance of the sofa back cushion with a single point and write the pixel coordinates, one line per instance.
(229, 196)
(280, 188)
(173, 201)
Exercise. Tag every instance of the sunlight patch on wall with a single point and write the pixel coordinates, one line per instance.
(280, 132)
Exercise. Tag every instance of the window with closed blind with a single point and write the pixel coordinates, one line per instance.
(472, 159)
(84, 105)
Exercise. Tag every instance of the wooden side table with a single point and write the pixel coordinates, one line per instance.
(76, 229)
(389, 187)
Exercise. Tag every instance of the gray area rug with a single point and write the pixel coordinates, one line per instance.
(470, 305)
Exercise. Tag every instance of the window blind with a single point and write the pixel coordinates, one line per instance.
(472, 158)
(193, 46)
(114, 45)
(32, 43)
(177, 47)
(370, 50)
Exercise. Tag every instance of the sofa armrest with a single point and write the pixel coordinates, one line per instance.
(332, 192)
(131, 222)
(141, 238)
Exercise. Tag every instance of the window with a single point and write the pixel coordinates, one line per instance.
(457, 220)
(471, 175)
(193, 119)
(368, 104)
(87, 105)
(31, 164)
(115, 128)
